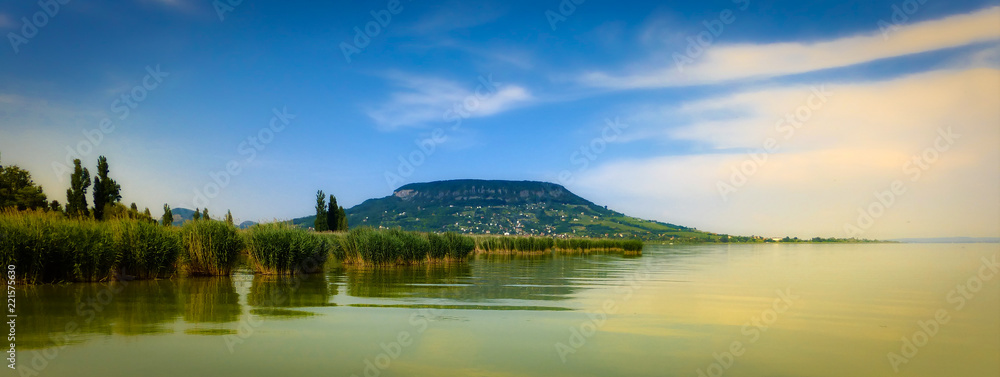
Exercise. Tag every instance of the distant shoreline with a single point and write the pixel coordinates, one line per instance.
(949, 240)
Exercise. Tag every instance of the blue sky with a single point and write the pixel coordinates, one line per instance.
(554, 93)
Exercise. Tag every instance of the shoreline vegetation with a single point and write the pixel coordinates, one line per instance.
(52, 243)
(48, 247)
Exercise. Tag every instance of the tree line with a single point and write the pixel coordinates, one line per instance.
(329, 216)
(19, 191)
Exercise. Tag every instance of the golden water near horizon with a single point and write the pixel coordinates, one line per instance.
(713, 310)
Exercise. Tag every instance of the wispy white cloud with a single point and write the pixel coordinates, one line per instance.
(722, 62)
(422, 100)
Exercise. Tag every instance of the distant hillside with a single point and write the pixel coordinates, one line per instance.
(504, 207)
(184, 214)
(181, 215)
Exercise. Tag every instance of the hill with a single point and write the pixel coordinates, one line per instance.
(185, 214)
(504, 207)
(181, 215)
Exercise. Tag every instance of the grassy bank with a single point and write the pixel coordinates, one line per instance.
(541, 245)
(211, 247)
(367, 246)
(47, 248)
(586, 245)
(282, 248)
(513, 244)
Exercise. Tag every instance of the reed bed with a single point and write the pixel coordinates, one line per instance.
(542, 245)
(211, 247)
(513, 245)
(144, 250)
(586, 245)
(368, 246)
(282, 248)
(46, 247)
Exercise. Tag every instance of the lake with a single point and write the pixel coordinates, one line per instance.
(691, 310)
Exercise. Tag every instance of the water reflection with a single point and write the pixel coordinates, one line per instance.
(310, 290)
(51, 315)
(490, 282)
(438, 280)
(211, 300)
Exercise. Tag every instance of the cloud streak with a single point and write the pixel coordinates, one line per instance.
(419, 101)
(743, 61)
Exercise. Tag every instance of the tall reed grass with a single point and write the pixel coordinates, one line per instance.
(585, 245)
(211, 247)
(282, 248)
(513, 244)
(144, 250)
(46, 247)
(367, 246)
(541, 245)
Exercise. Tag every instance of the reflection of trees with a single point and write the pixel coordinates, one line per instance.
(210, 300)
(488, 278)
(303, 290)
(57, 314)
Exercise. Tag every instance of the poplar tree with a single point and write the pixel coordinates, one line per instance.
(76, 195)
(204, 214)
(197, 214)
(106, 190)
(333, 215)
(321, 223)
(229, 217)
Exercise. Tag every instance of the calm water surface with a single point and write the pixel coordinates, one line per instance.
(717, 310)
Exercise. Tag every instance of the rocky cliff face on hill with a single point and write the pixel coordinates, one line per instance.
(487, 192)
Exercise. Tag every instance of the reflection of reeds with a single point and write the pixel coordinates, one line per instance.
(210, 300)
(142, 307)
(431, 280)
(367, 246)
(280, 248)
(54, 315)
(48, 247)
(289, 291)
(211, 247)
